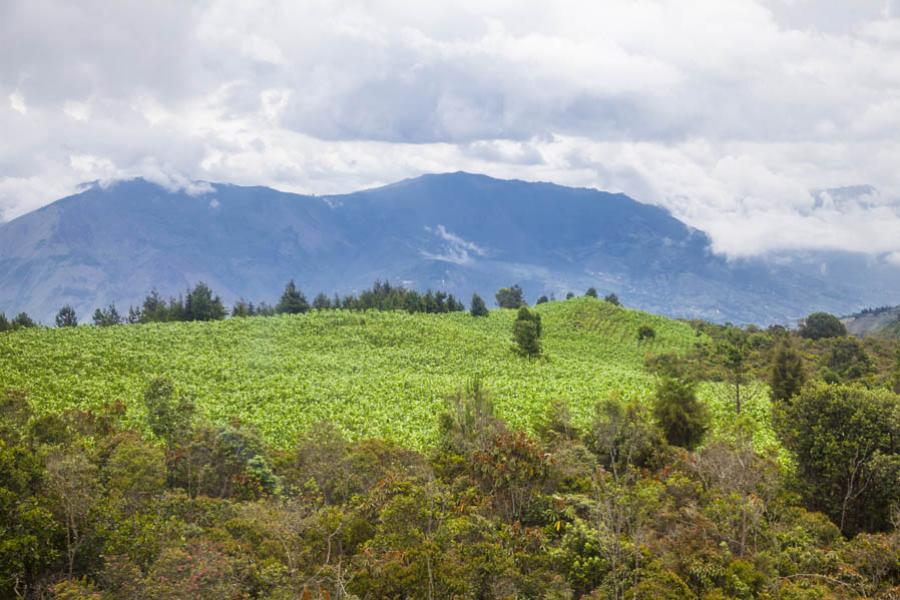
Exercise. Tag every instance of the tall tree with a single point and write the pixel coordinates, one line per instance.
(321, 302)
(202, 305)
(292, 300)
(106, 317)
(734, 353)
(786, 377)
(66, 317)
(478, 308)
(527, 332)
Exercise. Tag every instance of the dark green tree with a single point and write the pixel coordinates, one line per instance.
(612, 299)
(682, 418)
(201, 305)
(321, 302)
(542, 300)
(786, 377)
(23, 321)
(570, 295)
(894, 382)
(510, 297)
(527, 332)
(106, 317)
(66, 317)
(154, 309)
(292, 301)
(734, 355)
(645, 332)
(242, 308)
(822, 325)
(592, 292)
(848, 360)
(169, 418)
(478, 308)
(5, 325)
(846, 441)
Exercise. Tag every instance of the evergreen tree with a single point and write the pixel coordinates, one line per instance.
(292, 301)
(787, 377)
(478, 308)
(66, 317)
(543, 300)
(23, 321)
(5, 325)
(107, 317)
(527, 332)
(612, 299)
(570, 295)
(154, 309)
(680, 415)
(242, 308)
(592, 292)
(202, 305)
(321, 302)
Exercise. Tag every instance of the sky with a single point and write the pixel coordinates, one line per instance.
(745, 118)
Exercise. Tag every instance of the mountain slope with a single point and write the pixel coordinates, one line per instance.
(457, 231)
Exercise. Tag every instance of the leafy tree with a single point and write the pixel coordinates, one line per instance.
(591, 292)
(845, 441)
(201, 305)
(292, 300)
(154, 309)
(510, 297)
(848, 360)
(107, 317)
(66, 317)
(321, 302)
(894, 382)
(682, 418)
(170, 419)
(624, 438)
(822, 325)
(645, 332)
(527, 332)
(570, 295)
(786, 377)
(612, 299)
(478, 308)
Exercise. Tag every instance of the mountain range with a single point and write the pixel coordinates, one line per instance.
(457, 232)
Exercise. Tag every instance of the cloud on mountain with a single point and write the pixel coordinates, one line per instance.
(728, 112)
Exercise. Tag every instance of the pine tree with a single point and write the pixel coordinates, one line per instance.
(786, 378)
(478, 308)
(66, 317)
(292, 300)
(321, 302)
(202, 305)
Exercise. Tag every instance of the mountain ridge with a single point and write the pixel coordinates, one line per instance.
(459, 231)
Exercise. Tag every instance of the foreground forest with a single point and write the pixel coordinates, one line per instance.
(574, 449)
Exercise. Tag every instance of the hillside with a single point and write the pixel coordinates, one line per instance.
(457, 232)
(372, 374)
(884, 321)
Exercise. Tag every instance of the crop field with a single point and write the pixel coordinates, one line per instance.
(382, 374)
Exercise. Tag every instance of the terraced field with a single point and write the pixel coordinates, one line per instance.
(373, 374)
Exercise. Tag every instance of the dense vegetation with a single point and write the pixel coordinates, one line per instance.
(393, 449)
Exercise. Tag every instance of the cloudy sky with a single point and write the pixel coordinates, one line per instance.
(734, 114)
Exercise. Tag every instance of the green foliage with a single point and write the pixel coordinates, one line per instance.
(66, 317)
(527, 332)
(382, 374)
(844, 439)
(542, 300)
(168, 418)
(478, 307)
(201, 305)
(822, 325)
(591, 292)
(510, 297)
(106, 317)
(645, 332)
(848, 360)
(292, 301)
(683, 419)
(787, 375)
(612, 299)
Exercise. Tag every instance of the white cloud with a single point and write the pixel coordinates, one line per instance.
(728, 112)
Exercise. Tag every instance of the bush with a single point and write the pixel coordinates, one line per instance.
(645, 332)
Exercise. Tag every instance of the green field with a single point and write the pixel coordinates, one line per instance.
(373, 374)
